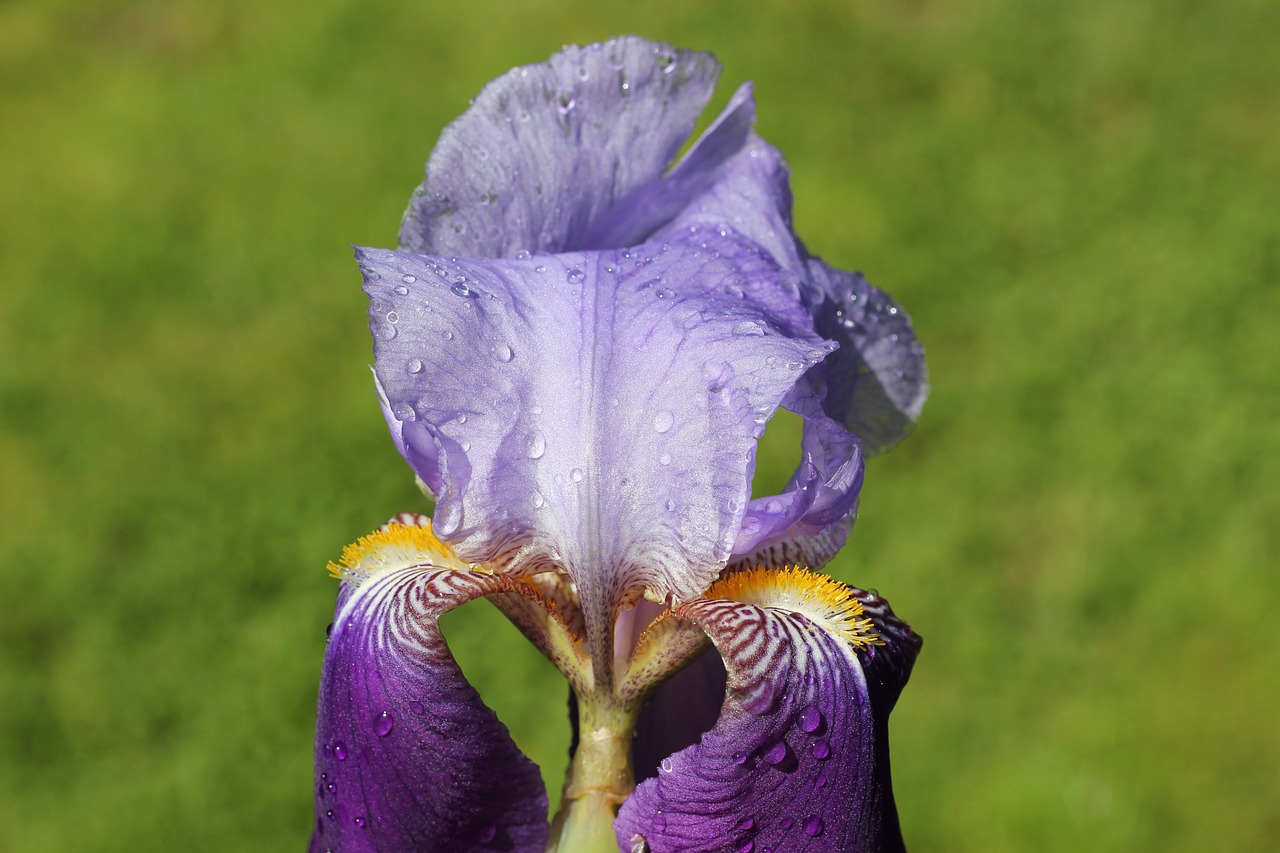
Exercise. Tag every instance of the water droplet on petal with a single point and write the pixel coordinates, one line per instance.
(810, 720)
(565, 102)
(664, 459)
(664, 421)
(538, 500)
(821, 750)
(461, 289)
(382, 724)
(417, 708)
(746, 846)
(748, 329)
(576, 475)
(775, 754)
(404, 412)
(340, 751)
(667, 766)
(387, 331)
(813, 826)
(331, 814)
(503, 353)
(786, 823)
(821, 781)
(745, 824)
(575, 276)
(671, 506)
(407, 279)
(359, 821)
(401, 290)
(535, 445)
(414, 365)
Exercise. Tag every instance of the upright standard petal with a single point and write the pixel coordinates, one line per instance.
(798, 760)
(546, 150)
(594, 413)
(407, 755)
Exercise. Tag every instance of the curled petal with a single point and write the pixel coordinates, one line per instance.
(798, 760)
(875, 384)
(407, 755)
(547, 150)
(809, 521)
(876, 381)
(652, 367)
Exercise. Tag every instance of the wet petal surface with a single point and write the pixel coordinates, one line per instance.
(546, 151)
(407, 755)
(799, 758)
(590, 412)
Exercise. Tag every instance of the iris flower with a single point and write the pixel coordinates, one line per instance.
(577, 345)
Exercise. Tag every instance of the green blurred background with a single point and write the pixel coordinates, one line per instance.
(1078, 203)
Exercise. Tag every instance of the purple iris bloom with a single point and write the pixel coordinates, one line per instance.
(577, 346)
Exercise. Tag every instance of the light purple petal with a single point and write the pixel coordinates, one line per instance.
(799, 758)
(876, 381)
(407, 756)
(422, 456)
(653, 205)
(752, 195)
(808, 522)
(547, 150)
(592, 412)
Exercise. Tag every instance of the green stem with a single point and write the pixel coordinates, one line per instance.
(599, 779)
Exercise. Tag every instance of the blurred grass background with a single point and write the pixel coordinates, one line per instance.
(1078, 204)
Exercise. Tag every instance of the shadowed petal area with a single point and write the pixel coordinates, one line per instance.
(798, 760)
(594, 413)
(680, 711)
(876, 381)
(547, 150)
(407, 755)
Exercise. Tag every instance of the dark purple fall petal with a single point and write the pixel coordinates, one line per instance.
(799, 758)
(407, 755)
(594, 412)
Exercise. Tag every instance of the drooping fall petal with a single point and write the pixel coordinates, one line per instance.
(407, 755)
(798, 760)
